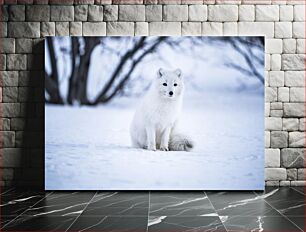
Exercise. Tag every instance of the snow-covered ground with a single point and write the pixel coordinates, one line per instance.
(88, 148)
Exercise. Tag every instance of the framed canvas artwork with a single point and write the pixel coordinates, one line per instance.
(154, 113)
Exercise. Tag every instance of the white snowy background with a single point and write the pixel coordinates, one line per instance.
(89, 148)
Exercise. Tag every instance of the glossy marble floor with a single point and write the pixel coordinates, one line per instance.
(276, 209)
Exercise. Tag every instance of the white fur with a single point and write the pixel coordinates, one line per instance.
(155, 121)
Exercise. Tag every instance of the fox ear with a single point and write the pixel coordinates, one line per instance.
(160, 73)
(178, 72)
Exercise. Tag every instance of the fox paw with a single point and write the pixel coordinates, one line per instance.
(164, 149)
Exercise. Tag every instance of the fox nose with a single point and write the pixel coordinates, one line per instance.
(170, 93)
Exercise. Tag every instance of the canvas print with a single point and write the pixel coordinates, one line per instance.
(154, 113)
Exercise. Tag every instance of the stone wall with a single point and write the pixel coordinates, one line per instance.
(24, 24)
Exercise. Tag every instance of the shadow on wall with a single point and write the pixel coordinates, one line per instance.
(31, 139)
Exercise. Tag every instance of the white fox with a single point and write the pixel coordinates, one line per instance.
(155, 121)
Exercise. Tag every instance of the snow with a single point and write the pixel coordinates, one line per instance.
(88, 148)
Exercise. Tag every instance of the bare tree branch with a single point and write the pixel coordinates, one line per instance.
(134, 64)
(51, 81)
(75, 53)
(248, 60)
(118, 69)
(79, 76)
(245, 47)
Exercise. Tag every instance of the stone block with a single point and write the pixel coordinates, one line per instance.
(267, 138)
(273, 183)
(277, 113)
(222, 13)
(275, 174)
(38, 13)
(279, 139)
(277, 79)
(165, 2)
(154, 13)
(257, 28)
(246, 13)
(294, 110)
(84, 2)
(300, 46)
(18, 124)
(11, 109)
(267, 109)
(8, 139)
(47, 29)
(62, 28)
(299, 13)
(283, 30)
(17, 13)
(212, 29)
(141, 29)
(298, 30)
(289, 45)
(131, 13)
(24, 29)
(274, 46)
(11, 157)
(271, 94)
(8, 45)
(9, 94)
(296, 139)
(175, 13)
(293, 61)
(95, 13)
(291, 174)
(276, 106)
(197, 13)
(24, 45)
(165, 28)
(297, 94)
(290, 124)
(293, 158)
(294, 78)
(301, 174)
(120, 28)
(273, 123)
(16, 62)
(75, 28)
(110, 12)
(2, 62)
(267, 13)
(298, 183)
(286, 13)
(276, 62)
(81, 12)
(191, 28)
(62, 13)
(284, 183)
(230, 29)
(4, 13)
(267, 61)
(302, 124)
(272, 158)
(9, 78)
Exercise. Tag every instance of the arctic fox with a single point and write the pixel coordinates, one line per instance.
(155, 121)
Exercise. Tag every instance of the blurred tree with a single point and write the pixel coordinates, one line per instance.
(80, 63)
(52, 80)
(120, 73)
(79, 74)
(250, 48)
(142, 46)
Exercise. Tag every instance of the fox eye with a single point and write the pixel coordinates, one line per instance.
(165, 84)
(175, 84)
